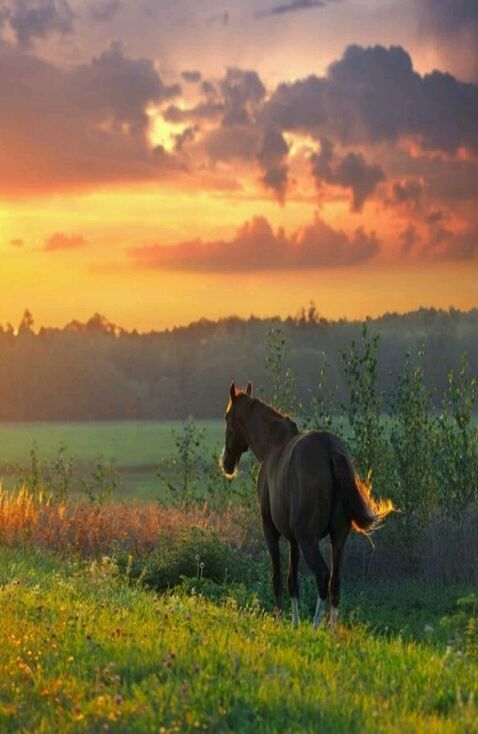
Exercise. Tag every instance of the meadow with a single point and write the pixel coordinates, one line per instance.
(135, 448)
(83, 650)
(137, 607)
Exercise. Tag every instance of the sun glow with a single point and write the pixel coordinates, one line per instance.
(162, 132)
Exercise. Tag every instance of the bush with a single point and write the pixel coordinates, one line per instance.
(194, 553)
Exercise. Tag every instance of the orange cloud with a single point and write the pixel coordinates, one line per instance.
(256, 247)
(60, 241)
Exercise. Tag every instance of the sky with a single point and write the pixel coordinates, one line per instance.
(162, 162)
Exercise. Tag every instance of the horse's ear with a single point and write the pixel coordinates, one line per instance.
(232, 392)
(249, 388)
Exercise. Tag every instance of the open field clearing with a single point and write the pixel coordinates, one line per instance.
(127, 443)
(83, 650)
(135, 447)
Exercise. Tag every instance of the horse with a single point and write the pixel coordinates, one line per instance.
(307, 488)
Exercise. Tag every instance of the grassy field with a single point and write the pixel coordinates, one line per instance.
(128, 443)
(136, 448)
(84, 651)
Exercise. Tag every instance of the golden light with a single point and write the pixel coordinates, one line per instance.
(162, 132)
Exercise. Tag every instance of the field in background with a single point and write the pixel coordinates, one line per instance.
(135, 447)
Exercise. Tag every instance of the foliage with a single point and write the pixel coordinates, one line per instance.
(103, 482)
(192, 552)
(364, 405)
(41, 475)
(186, 466)
(411, 439)
(279, 376)
(457, 440)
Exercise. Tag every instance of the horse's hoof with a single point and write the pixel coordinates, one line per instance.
(333, 618)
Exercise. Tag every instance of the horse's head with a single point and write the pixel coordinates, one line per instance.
(236, 440)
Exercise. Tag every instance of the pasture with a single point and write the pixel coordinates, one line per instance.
(136, 448)
(83, 650)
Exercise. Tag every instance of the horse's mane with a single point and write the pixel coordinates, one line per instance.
(274, 416)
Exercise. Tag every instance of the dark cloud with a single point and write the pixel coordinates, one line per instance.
(294, 6)
(232, 142)
(102, 11)
(446, 244)
(408, 191)
(186, 136)
(350, 172)
(192, 76)
(256, 247)
(242, 91)
(373, 95)
(272, 157)
(60, 241)
(436, 215)
(65, 128)
(409, 237)
(31, 20)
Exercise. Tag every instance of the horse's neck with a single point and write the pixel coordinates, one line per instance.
(267, 430)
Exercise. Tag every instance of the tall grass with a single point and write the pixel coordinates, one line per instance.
(90, 529)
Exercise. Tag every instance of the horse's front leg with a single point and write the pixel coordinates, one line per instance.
(271, 535)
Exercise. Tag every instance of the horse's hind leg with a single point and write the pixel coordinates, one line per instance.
(272, 536)
(310, 550)
(339, 531)
(293, 581)
(338, 536)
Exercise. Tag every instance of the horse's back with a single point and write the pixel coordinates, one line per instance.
(302, 487)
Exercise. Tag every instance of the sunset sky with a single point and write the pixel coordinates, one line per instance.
(162, 161)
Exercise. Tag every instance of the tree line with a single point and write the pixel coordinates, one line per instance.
(100, 371)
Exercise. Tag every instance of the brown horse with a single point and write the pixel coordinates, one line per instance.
(307, 489)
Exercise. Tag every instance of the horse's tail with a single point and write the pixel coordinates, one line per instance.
(365, 513)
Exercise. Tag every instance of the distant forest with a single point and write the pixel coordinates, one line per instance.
(99, 371)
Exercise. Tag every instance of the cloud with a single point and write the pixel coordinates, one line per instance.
(294, 6)
(447, 244)
(373, 95)
(79, 126)
(408, 191)
(272, 157)
(102, 11)
(350, 172)
(408, 237)
(17, 242)
(191, 76)
(242, 91)
(60, 241)
(30, 20)
(256, 247)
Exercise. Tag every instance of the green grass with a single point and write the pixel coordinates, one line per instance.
(128, 443)
(136, 447)
(82, 651)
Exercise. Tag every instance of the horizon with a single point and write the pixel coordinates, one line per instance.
(35, 327)
(162, 162)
